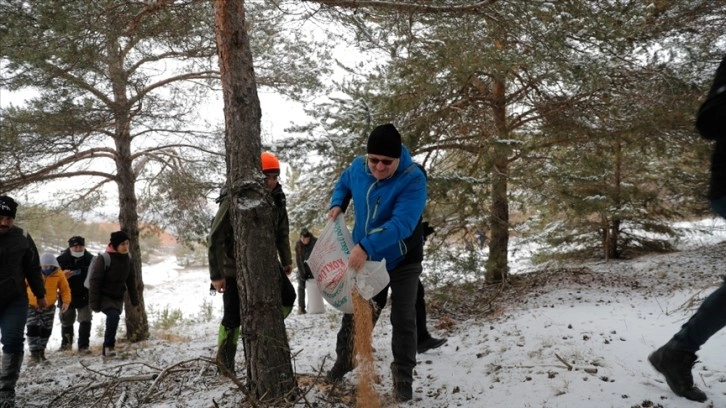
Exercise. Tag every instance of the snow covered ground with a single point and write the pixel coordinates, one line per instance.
(600, 318)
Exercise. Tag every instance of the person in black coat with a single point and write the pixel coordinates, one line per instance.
(74, 262)
(303, 249)
(19, 266)
(108, 285)
(676, 358)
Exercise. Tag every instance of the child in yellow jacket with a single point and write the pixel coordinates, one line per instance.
(40, 321)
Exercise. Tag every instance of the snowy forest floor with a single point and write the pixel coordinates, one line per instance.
(575, 335)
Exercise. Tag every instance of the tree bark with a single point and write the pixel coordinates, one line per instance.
(137, 324)
(497, 267)
(614, 235)
(267, 351)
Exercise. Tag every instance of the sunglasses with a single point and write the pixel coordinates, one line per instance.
(374, 161)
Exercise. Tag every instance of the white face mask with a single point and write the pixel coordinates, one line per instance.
(77, 254)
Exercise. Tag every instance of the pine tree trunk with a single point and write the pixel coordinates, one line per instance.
(137, 322)
(267, 352)
(613, 237)
(137, 325)
(497, 267)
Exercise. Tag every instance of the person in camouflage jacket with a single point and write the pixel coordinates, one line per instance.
(222, 264)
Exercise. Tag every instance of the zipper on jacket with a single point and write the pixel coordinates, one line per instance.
(375, 209)
(370, 216)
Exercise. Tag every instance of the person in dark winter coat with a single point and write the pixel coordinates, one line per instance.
(303, 248)
(74, 262)
(109, 284)
(223, 270)
(389, 191)
(19, 263)
(676, 358)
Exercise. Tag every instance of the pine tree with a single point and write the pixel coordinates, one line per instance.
(487, 98)
(117, 90)
(267, 351)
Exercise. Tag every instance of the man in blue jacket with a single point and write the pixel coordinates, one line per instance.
(389, 192)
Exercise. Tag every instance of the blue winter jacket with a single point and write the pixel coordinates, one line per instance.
(386, 211)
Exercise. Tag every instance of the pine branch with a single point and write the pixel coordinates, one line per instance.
(408, 7)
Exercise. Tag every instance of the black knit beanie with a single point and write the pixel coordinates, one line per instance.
(385, 141)
(8, 206)
(76, 240)
(118, 237)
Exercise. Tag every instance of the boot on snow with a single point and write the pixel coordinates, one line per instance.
(227, 340)
(66, 338)
(11, 363)
(429, 344)
(402, 389)
(84, 336)
(338, 371)
(34, 358)
(676, 365)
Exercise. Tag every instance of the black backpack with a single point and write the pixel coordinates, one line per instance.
(710, 117)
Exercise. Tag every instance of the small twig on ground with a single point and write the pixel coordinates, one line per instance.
(121, 399)
(250, 398)
(569, 366)
(158, 377)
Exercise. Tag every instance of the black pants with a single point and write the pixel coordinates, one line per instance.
(422, 332)
(708, 319)
(231, 318)
(230, 299)
(710, 316)
(404, 289)
(301, 291)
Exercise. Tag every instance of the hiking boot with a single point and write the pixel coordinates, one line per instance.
(66, 338)
(301, 310)
(226, 356)
(402, 391)
(84, 335)
(430, 344)
(9, 373)
(84, 351)
(34, 358)
(7, 399)
(676, 365)
(337, 373)
(109, 352)
(42, 357)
